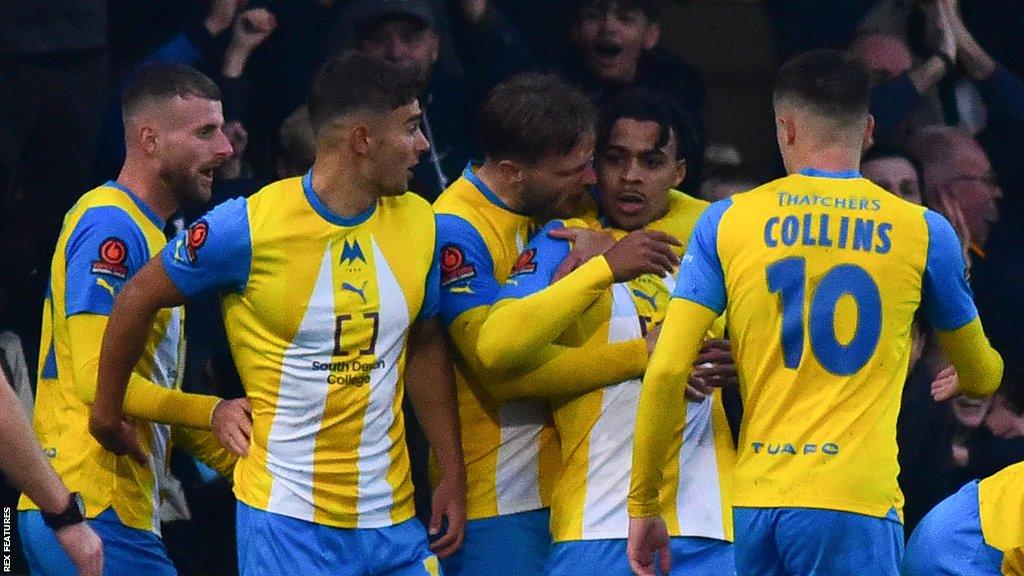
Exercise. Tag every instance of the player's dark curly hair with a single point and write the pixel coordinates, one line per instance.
(645, 105)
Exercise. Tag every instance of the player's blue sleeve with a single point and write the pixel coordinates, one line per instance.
(945, 295)
(431, 292)
(537, 263)
(700, 277)
(214, 253)
(466, 268)
(103, 251)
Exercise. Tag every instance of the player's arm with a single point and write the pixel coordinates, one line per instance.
(535, 310)
(430, 382)
(661, 405)
(143, 398)
(205, 446)
(698, 298)
(25, 466)
(553, 369)
(469, 288)
(949, 307)
(105, 249)
(215, 253)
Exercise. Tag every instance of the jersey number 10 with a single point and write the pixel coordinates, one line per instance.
(788, 279)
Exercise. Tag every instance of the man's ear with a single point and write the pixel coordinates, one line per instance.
(148, 138)
(359, 138)
(651, 36)
(511, 172)
(784, 124)
(869, 133)
(680, 172)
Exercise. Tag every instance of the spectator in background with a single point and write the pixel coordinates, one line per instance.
(892, 170)
(955, 167)
(406, 33)
(616, 48)
(954, 81)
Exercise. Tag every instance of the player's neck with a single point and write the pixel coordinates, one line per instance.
(490, 175)
(340, 189)
(145, 183)
(827, 159)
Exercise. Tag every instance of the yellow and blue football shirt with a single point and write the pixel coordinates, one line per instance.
(1001, 508)
(317, 308)
(510, 447)
(107, 236)
(820, 275)
(596, 428)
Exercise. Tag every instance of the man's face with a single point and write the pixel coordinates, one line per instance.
(190, 144)
(970, 412)
(556, 186)
(886, 57)
(1002, 420)
(976, 190)
(406, 42)
(612, 39)
(895, 174)
(396, 143)
(634, 174)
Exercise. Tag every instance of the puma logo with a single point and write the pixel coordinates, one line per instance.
(360, 291)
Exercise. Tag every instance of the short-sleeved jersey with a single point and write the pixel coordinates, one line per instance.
(317, 308)
(510, 448)
(596, 428)
(820, 275)
(1001, 508)
(107, 236)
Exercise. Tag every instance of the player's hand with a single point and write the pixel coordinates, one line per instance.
(715, 366)
(586, 244)
(697, 390)
(232, 423)
(448, 515)
(118, 436)
(252, 27)
(83, 547)
(945, 384)
(648, 538)
(642, 252)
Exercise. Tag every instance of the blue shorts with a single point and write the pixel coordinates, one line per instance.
(125, 550)
(949, 541)
(507, 545)
(690, 555)
(815, 542)
(270, 543)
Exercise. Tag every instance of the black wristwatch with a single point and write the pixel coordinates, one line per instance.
(73, 513)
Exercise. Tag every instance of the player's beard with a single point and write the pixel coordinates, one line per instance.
(186, 186)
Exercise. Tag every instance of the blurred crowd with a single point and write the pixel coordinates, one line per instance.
(948, 103)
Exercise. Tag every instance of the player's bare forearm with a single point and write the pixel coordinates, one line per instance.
(661, 404)
(21, 458)
(430, 382)
(978, 366)
(123, 342)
